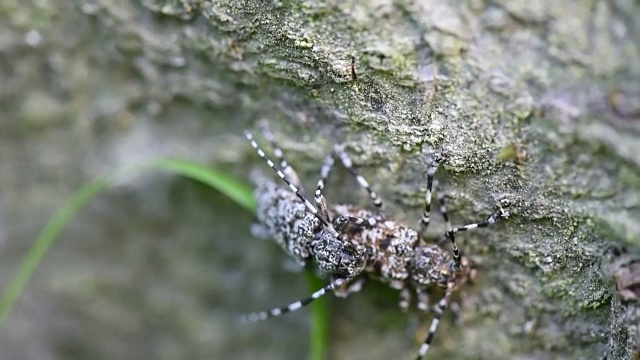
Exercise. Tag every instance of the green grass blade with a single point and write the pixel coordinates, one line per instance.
(319, 321)
(43, 242)
(237, 191)
(222, 182)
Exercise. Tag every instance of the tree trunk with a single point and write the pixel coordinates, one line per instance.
(536, 103)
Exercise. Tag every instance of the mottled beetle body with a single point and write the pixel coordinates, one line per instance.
(301, 234)
(398, 257)
(389, 245)
(286, 220)
(349, 244)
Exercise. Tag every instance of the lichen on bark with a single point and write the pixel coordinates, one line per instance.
(472, 79)
(530, 102)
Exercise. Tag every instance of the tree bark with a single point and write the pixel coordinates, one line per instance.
(532, 102)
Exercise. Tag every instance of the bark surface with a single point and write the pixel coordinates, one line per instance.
(533, 102)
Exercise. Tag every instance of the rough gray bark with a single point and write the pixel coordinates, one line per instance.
(534, 102)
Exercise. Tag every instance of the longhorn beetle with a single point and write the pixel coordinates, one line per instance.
(349, 244)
